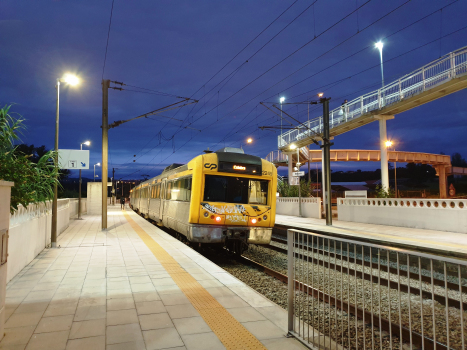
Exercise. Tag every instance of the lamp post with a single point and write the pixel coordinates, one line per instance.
(382, 126)
(87, 143)
(379, 45)
(98, 164)
(389, 144)
(70, 80)
(281, 100)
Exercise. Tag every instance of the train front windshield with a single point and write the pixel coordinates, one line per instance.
(239, 190)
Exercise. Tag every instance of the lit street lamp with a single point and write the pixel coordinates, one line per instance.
(87, 143)
(388, 145)
(379, 45)
(98, 164)
(70, 80)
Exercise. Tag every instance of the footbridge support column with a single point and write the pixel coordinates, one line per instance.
(383, 137)
(443, 183)
(290, 165)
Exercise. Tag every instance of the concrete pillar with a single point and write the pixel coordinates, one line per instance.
(5, 192)
(290, 166)
(383, 137)
(443, 193)
(323, 186)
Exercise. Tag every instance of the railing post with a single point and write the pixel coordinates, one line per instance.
(400, 91)
(291, 276)
(453, 64)
(423, 77)
(361, 105)
(379, 98)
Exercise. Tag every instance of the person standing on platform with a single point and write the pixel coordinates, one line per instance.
(122, 202)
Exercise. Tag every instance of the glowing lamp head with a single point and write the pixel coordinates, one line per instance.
(388, 143)
(87, 143)
(218, 218)
(293, 146)
(321, 94)
(379, 45)
(253, 221)
(282, 99)
(249, 140)
(98, 164)
(70, 79)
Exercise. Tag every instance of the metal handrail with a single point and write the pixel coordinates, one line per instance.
(345, 284)
(422, 79)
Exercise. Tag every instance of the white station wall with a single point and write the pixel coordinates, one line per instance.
(311, 207)
(30, 230)
(430, 214)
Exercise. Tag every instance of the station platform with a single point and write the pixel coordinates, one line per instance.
(134, 287)
(443, 243)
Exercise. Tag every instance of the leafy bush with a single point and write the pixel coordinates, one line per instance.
(286, 190)
(382, 193)
(34, 183)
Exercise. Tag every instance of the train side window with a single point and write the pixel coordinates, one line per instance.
(158, 190)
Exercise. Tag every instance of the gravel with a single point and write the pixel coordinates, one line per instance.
(336, 322)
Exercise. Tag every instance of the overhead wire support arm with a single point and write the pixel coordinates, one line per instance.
(261, 103)
(156, 111)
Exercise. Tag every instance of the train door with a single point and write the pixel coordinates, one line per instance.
(162, 196)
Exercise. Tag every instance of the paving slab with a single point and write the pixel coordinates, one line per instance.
(112, 290)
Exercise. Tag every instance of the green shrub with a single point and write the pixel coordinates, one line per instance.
(33, 182)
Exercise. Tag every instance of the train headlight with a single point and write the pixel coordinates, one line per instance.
(218, 218)
(253, 221)
(265, 217)
(206, 214)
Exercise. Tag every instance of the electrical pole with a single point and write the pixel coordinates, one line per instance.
(53, 237)
(327, 160)
(114, 192)
(105, 148)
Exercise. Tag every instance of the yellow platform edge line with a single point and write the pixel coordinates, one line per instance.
(229, 331)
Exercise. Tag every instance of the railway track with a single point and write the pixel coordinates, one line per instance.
(378, 279)
(366, 319)
(345, 306)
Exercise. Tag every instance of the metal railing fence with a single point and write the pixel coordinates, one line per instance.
(353, 295)
(432, 74)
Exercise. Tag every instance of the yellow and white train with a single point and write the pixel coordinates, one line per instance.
(224, 197)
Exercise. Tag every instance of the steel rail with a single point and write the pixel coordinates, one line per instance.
(379, 280)
(350, 308)
(413, 275)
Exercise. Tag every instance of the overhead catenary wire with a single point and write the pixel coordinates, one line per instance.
(108, 37)
(386, 60)
(290, 55)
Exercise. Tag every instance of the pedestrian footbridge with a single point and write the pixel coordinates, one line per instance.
(436, 79)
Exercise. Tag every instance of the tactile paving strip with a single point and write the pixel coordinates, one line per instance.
(229, 331)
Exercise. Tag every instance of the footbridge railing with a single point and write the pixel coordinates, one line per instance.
(423, 79)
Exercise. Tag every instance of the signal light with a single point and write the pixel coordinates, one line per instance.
(218, 219)
(265, 217)
(253, 221)
(212, 217)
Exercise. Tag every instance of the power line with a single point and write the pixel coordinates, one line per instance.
(340, 79)
(230, 76)
(108, 36)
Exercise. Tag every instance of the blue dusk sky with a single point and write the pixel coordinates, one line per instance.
(229, 55)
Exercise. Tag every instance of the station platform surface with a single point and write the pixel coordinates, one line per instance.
(452, 244)
(134, 287)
